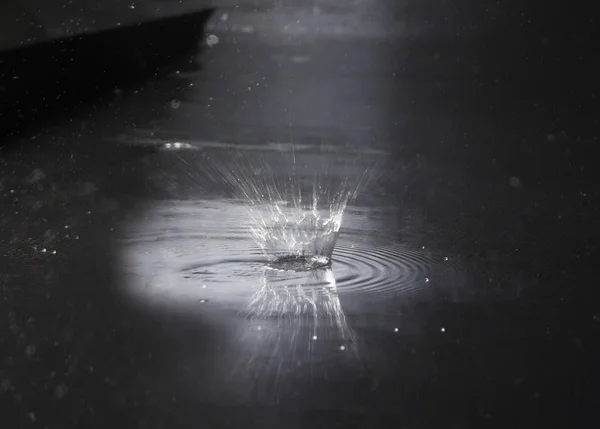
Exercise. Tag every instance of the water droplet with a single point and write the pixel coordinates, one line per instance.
(54, 252)
(445, 258)
(5, 385)
(30, 350)
(342, 348)
(61, 391)
(314, 337)
(212, 40)
(443, 330)
(396, 329)
(426, 279)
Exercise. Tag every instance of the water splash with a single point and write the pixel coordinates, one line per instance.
(294, 216)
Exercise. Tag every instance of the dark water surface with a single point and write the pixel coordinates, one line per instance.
(460, 292)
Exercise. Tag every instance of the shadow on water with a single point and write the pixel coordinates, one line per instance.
(73, 351)
(59, 79)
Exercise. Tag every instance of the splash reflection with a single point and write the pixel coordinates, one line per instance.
(295, 324)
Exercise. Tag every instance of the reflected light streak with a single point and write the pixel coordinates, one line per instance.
(295, 323)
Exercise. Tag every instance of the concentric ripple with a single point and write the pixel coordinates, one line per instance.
(382, 270)
(199, 252)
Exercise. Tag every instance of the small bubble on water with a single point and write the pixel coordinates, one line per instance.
(175, 104)
(342, 348)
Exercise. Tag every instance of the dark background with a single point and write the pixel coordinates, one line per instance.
(487, 114)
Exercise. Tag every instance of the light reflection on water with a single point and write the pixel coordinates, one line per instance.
(199, 256)
(295, 323)
(186, 251)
